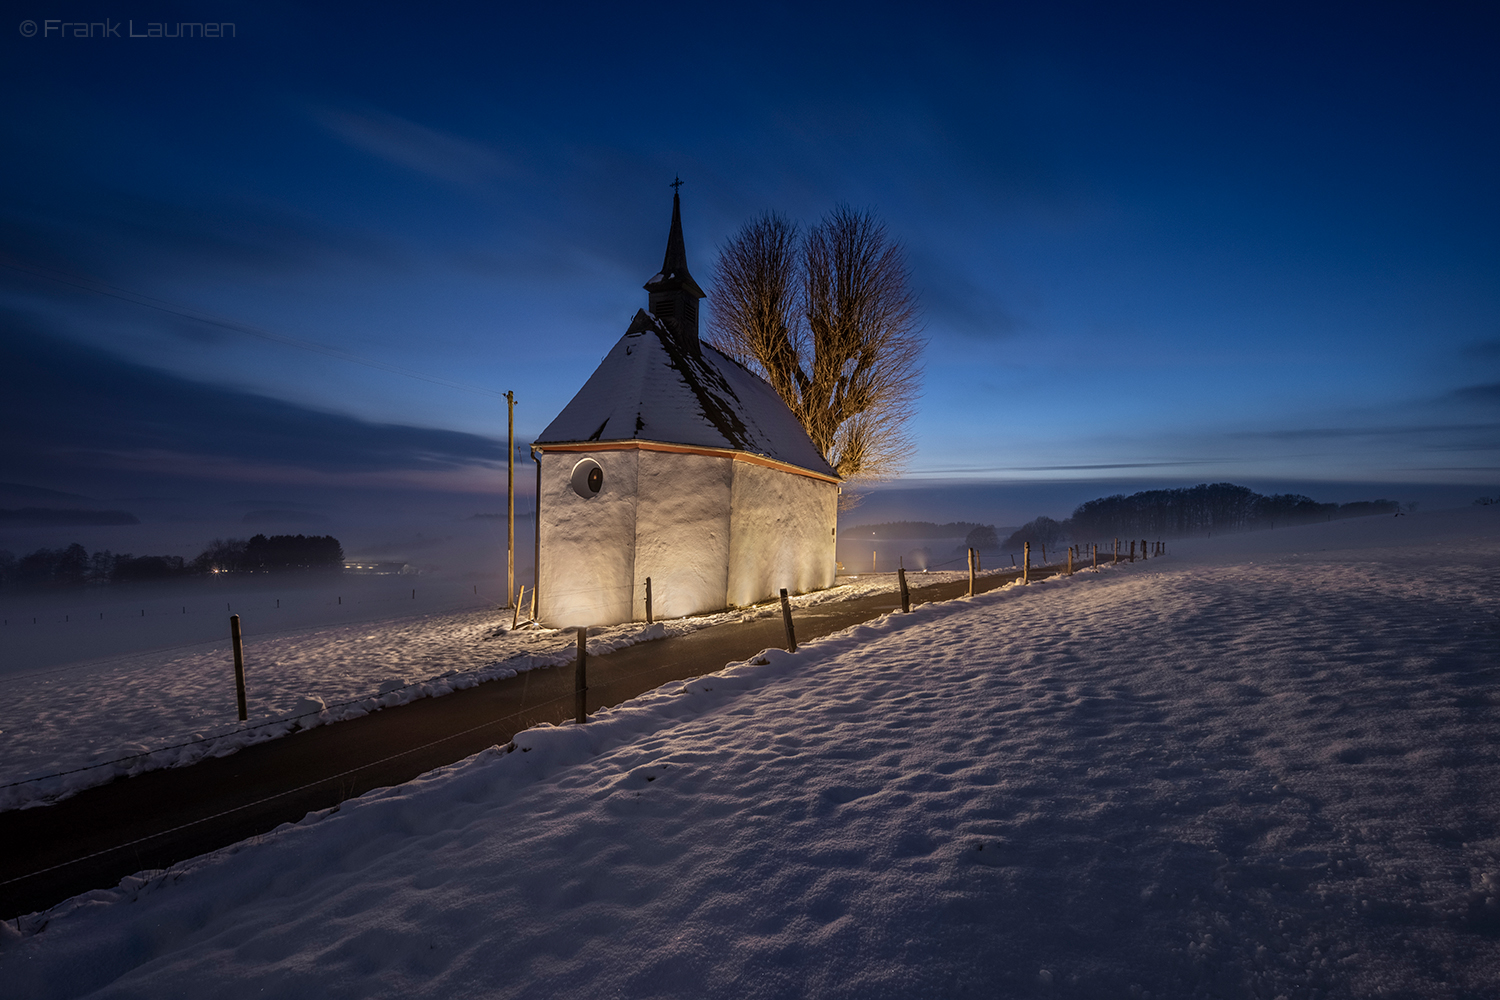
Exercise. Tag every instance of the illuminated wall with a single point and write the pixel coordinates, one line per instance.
(709, 531)
(586, 570)
(783, 534)
(682, 532)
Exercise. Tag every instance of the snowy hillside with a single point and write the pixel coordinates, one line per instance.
(1264, 766)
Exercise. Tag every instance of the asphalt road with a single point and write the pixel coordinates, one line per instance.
(159, 818)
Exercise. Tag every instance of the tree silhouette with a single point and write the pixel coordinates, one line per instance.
(829, 320)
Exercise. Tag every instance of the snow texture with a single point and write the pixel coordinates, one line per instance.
(648, 389)
(71, 727)
(1260, 767)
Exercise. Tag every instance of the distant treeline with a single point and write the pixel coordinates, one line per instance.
(1193, 510)
(912, 529)
(74, 566)
(270, 555)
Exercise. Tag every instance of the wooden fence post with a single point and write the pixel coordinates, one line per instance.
(971, 572)
(1070, 560)
(1117, 550)
(515, 618)
(239, 664)
(581, 677)
(648, 600)
(1026, 564)
(786, 620)
(1096, 555)
(905, 594)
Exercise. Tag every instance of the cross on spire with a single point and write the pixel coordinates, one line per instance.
(676, 183)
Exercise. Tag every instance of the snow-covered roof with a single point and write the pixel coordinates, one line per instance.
(648, 388)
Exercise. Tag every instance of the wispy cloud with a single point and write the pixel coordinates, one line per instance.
(67, 405)
(439, 155)
(125, 236)
(1479, 393)
(1316, 433)
(1095, 467)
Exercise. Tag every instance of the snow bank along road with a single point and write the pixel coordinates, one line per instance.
(1263, 769)
(158, 817)
(68, 725)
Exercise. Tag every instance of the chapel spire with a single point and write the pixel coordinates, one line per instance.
(675, 262)
(674, 294)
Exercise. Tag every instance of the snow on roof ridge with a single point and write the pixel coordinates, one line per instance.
(649, 388)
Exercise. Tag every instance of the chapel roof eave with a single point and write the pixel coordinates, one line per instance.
(669, 447)
(670, 282)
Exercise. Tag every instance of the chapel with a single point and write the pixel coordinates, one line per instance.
(676, 463)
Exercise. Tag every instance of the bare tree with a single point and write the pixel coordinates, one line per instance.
(757, 304)
(829, 320)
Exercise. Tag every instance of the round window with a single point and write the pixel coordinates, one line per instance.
(588, 479)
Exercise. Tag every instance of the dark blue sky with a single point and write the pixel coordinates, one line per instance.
(1191, 242)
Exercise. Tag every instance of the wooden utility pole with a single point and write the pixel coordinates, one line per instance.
(510, 499)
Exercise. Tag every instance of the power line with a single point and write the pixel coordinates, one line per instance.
(97, 287)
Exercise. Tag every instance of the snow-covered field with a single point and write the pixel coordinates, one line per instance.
(76, 725)
(1264, 766)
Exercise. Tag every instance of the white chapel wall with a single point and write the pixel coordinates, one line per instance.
(682, 530)
(782, 533)
(586, 570)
